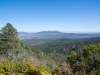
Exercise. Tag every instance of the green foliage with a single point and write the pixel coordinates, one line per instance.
(76, 63)
(58, 49)
(65, 46)
(25, 66)
(88, 64)
(9, 38)
(36, 41)
(19, 55)
(20, 60)
(73, 58)
(91, 54)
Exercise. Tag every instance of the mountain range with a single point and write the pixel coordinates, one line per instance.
(55, 35)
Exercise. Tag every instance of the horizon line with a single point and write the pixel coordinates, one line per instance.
(62, 31)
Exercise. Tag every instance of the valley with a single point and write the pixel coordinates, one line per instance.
(49, 37)
(48, 56)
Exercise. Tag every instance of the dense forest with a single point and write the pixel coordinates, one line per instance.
(58, 49)
(47, 57)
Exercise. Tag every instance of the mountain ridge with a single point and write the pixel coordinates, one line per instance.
(55, 34)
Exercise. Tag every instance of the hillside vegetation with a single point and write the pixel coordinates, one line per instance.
(64, 46)
(57, 50)
(60, 57)
(17, 58)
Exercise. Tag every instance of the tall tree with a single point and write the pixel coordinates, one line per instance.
(9, 38)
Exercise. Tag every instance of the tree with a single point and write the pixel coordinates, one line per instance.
(76, 63)
(73, 58)
(9, 38)
(91, 54)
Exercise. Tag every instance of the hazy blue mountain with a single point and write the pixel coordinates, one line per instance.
(22, 32)
(49, 32)
(55, 35)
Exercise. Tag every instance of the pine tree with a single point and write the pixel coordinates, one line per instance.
(9, 38)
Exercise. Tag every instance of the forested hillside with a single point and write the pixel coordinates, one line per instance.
(36, 41)
(59, 49)
(54, 57)
(19, 59)
(64, 46)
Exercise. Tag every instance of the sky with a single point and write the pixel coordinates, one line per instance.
(43, 15)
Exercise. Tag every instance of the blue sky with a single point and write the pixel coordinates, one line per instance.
(43, 15)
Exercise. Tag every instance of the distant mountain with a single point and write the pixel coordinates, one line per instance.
(22, 32)
(49, 32)
(55, 35)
